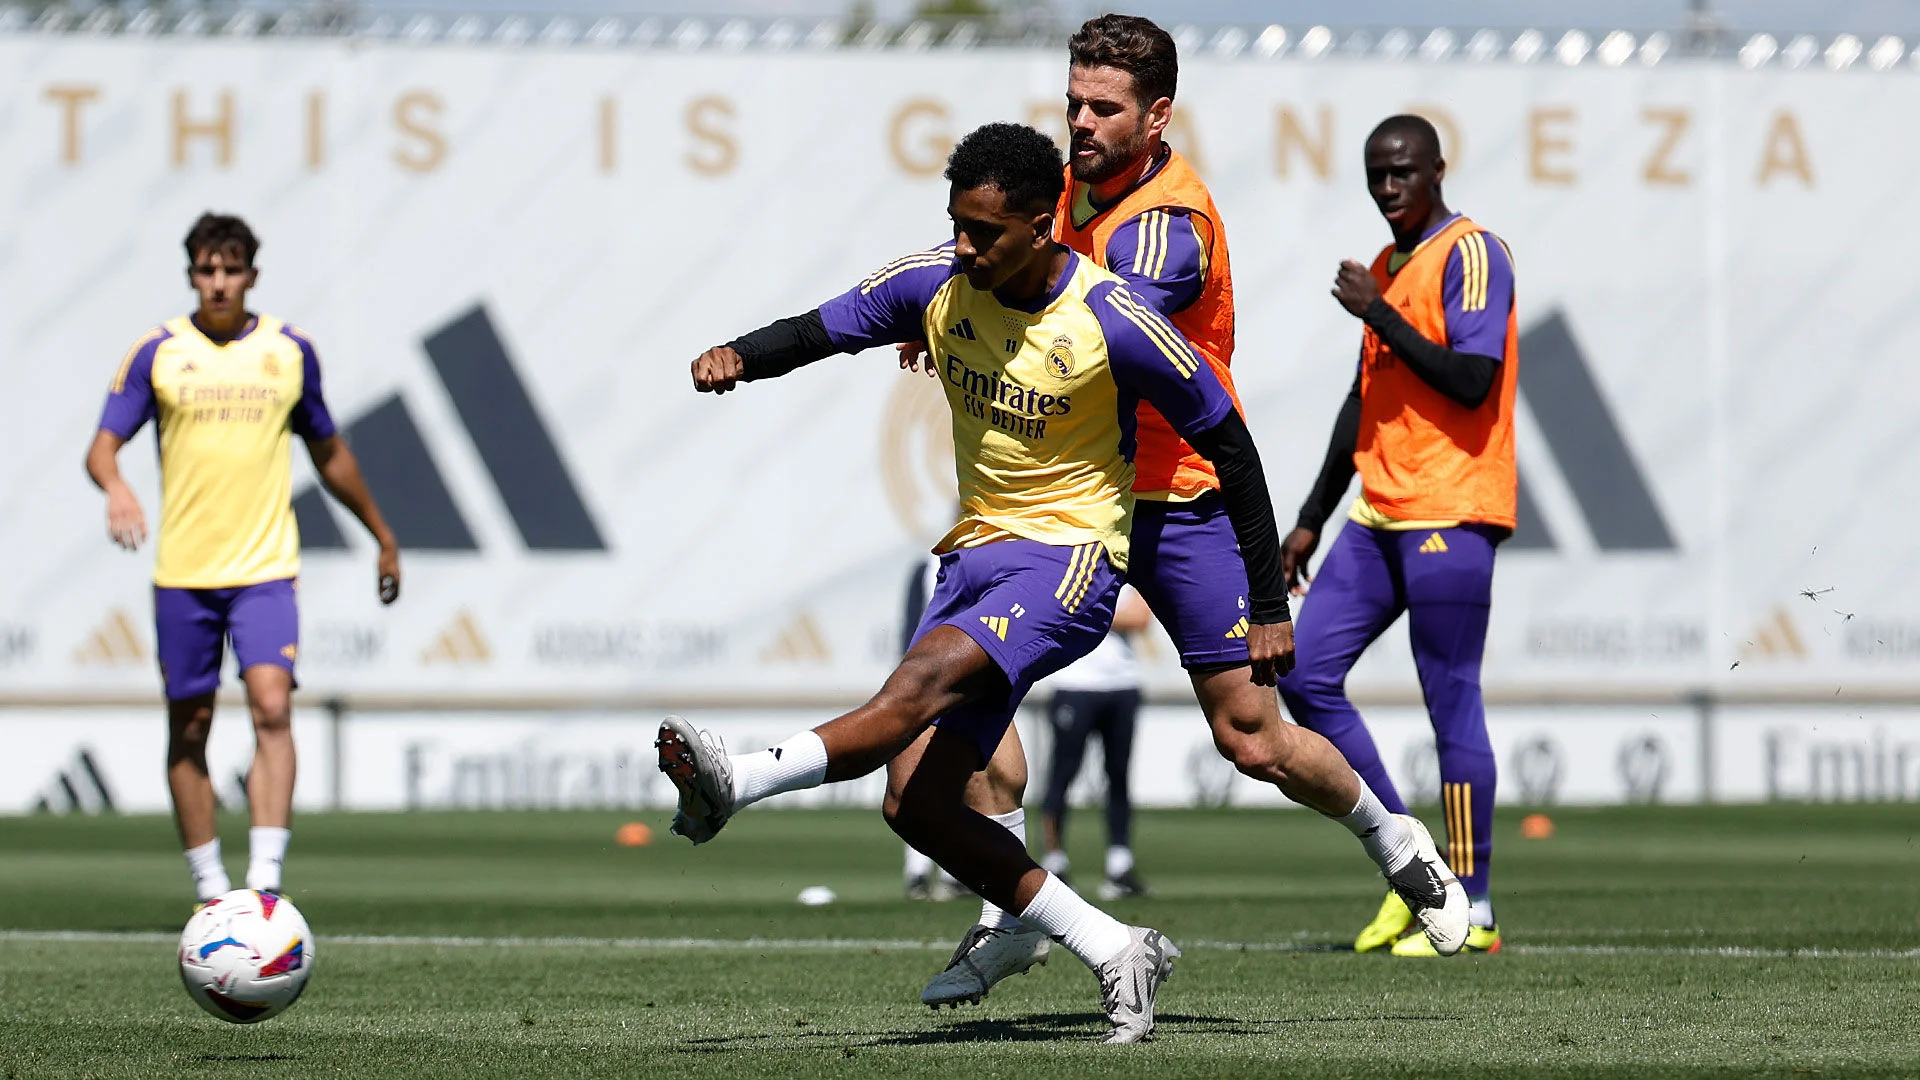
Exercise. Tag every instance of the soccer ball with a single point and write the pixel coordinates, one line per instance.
(246, 956)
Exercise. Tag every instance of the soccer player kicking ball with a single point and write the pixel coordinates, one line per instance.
(1043, 357)
(1135, 206)
(1429, 425)
(226, 389)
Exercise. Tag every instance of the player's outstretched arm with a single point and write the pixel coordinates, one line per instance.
(885, 309)
(340, 473)
(767, 353)
(126, 524)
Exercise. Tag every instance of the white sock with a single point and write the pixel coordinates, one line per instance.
(1388, 841)
(798, 763)
(1056, 863)
(1119, 860)
(1088, 933)
(1481, 912)
(209, 875)
(918, 865)
(266, 850)
(991, 916)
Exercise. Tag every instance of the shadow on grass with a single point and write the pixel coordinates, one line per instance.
(1067, 1027)
(248, 1057)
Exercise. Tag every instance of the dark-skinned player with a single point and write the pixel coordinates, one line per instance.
(1429, 427)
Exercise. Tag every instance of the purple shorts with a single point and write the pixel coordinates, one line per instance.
(192, 626)
(1034, 608)
(1186, 564)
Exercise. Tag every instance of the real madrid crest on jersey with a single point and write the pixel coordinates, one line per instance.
(1060, 358)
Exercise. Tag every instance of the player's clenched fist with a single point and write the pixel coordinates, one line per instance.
(717, 370)
(1270, 647)
(1354, 287)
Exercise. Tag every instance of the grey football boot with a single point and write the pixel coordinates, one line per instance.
(1130, 981)
(696, 761)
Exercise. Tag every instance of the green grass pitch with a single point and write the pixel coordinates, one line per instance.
(1751, 941)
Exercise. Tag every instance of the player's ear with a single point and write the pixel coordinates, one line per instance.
(1159, 115)
(1043, 229)
(1439, 170)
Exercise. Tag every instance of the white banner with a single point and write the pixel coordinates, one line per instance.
(508, 256)
(92, 760)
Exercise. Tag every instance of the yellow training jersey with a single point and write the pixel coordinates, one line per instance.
(226, 414)
(1043, 394)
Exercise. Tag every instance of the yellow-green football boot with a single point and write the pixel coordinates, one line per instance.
(1393, 920)
(1480, 939)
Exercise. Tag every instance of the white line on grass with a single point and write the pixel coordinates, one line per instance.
(1303, 944)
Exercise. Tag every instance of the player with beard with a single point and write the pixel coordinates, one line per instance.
(1136, 207)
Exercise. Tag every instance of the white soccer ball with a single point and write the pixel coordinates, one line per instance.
(246, 955)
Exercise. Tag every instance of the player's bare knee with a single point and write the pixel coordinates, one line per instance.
(912, 816)
(273, 716)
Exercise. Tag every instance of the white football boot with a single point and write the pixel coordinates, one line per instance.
(1130, 981)
(696, 761)
(1432, 892)
(985, 956)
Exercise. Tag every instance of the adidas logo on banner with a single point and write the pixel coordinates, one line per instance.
(460, 643)
(78, 789)
(515, 448)
(1776, 638)
(800, 643)
(1601, 474)
(115, 642)
(1434, 545)
(1239, 629)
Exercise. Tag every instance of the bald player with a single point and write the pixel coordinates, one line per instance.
(227, 390)
(1429, 426)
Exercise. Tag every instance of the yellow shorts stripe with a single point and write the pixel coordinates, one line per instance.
(1073, 571)
(1087, 570)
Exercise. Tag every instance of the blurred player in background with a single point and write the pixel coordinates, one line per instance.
(227, 389)
(1429, 426)
(1097, 694)
(1136, 207)
(1043, 357)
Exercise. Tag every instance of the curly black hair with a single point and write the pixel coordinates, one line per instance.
(1024, 164)
(223, 233)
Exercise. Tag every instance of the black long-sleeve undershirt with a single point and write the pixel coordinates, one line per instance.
(1337, 470)
(783, 345)
(1243, 488)
(1466, 378)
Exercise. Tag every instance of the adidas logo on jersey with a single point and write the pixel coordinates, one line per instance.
(1434, 545)
(963, 329)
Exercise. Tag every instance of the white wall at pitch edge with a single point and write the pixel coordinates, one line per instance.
(1716, 242)
(398, 761)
